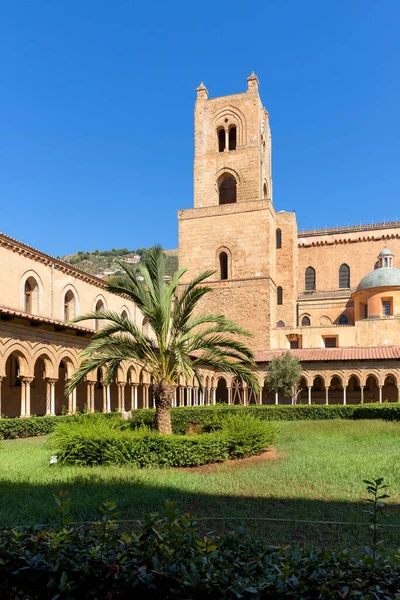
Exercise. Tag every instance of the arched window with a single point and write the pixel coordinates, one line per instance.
(344, 276)
(265, 191)
(221, 140)
(69, 306)
(124, 314)
(99, 307)
(227, 191)
(305, 322)
(232, 138)
(343, 320)
(279, 293)
(31, 295)
(310, 279)
(279, 238)
(223, 265)
(145, 327)
(280, 324)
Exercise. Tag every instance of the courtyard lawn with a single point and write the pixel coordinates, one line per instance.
(315, 473)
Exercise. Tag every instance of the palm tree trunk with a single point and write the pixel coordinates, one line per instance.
(163, 396)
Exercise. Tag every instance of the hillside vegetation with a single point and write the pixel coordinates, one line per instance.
(103, 263)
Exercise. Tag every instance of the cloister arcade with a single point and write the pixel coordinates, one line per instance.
(32, 382)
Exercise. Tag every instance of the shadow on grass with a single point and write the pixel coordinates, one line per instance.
(276, 520)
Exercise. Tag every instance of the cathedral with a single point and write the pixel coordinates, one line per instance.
(331, 297)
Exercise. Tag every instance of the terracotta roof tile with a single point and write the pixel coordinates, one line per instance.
(38, 319)
(326, 354)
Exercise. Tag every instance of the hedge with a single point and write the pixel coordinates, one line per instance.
(96, 441)
(183, 417)
(167, 557)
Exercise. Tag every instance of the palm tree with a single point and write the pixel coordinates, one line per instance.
(182, 340)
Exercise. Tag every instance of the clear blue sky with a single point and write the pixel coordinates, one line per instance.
(96, 111)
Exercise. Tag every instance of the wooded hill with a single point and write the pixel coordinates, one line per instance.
(104, 263)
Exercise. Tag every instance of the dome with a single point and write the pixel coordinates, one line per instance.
(385, 252)
(384, 277)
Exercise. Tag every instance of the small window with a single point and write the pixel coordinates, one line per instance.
(330, 342)
(386, 308)
(343, 320)
(223, 265)
(310, 279)
(227, 191)
(365, 311)
(145, 327)
(99, 307)
(305, 322)
(28, 297)
(232, 138)
(221, 140)
(279, 293)
(124, 314)
(265, 191)
(294, 345)
(279, 238)
(281, 324)
(344, 276)
(69, 306)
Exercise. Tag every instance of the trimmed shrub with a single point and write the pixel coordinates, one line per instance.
(98, 442)
(167, 557)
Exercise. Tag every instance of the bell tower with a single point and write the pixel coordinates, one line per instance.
(232, 227)
(232, 148)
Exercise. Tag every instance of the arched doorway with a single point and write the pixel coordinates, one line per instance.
(222, 391)
(353, 391)
(318, 391)
(302, 396)
(61, 400)
(389, 391)
(11, 387)
(371, 390)
(336, 390)
(237, 391)
(40, 392)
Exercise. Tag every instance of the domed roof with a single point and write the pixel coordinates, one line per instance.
(383, 277)
(385, 252)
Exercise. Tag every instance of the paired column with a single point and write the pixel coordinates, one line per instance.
(309, 394)
(72, 402)
(362, 394)
(380, 393)
(398, 392)
(121, 396)
(214, 395)
(344, 394)
(1, 379)
(26, 396)
(50, 396)
(134, 396)
(229, 395)
(276, 398)
(90, 395)
(327, 394)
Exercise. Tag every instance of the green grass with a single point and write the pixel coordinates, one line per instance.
(318, 476)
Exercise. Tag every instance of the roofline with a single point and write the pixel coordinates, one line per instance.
(348, 229)
(4, 310)
(7, 241)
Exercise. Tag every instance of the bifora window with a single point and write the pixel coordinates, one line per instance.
(221, 140)
(310, 279)
(343, 320)
(232, 138)
(386, 308)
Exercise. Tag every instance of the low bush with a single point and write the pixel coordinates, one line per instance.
(166, 557)
(97, 441)
(207, 416)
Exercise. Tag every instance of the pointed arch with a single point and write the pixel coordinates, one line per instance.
(344, 276)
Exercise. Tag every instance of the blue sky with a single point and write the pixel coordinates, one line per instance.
(96, 111)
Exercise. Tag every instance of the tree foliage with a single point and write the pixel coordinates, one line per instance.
(284, 375)
(182, 341)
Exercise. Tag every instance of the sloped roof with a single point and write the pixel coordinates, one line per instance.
(327, 354)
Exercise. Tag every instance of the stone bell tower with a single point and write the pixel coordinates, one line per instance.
(232, 227)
